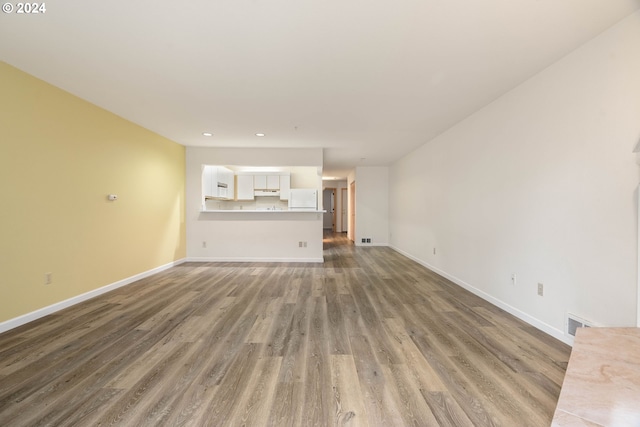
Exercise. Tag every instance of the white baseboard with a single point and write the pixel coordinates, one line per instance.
(248, 259)
(29, 317)
(548, 329)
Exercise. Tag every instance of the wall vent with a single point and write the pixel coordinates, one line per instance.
(574, 322)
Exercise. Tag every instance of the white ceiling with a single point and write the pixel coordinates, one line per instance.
(363, 79)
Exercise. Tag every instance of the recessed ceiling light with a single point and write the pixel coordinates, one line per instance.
(259, 134)
(207, 134)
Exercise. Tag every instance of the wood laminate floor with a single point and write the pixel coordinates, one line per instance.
(369, 338)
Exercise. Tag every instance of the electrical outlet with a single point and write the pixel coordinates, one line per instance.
(48, 278)
(204, 244)
(514, 278)
(364, 240)
(540, 289)
(304, 244)
(368, 240)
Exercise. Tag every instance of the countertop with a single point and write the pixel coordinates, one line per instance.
(602, 384)
(261, 211)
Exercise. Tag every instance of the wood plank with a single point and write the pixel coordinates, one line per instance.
(349, 407)
(424, 377)
(278, 335)
(286, 410)
(219, 408)
(317, 401)
(465, 392)
(381, 408)
(254, 406)
(338, 339)
(294, 363)
(265, 316)
(446, 410)
(412, 407)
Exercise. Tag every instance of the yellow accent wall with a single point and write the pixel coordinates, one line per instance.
(60, 157)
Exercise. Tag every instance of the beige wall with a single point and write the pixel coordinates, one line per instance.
(59, 159)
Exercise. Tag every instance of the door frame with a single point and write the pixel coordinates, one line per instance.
(351, 231)
(344, 209)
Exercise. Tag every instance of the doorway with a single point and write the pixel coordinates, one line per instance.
(329, 205)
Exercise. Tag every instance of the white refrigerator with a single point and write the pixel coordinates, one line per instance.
(303, 199)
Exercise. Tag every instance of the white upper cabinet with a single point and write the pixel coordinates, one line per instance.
(207, 181)
(273, 182)
(260, 182)
(244, 187)
(217, 182)
(285, 186)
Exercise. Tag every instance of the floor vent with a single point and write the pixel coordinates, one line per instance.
(574, 322)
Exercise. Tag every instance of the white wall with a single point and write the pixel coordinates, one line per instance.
(541, 183)
(372, 205)
(273, 236)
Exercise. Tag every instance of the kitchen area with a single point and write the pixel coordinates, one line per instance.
(255, 189)
(254, 205)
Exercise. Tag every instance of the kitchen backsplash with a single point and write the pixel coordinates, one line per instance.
(260, 203)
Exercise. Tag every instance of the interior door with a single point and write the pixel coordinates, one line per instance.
(333, 210)
(329, 205)
(344, 210)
